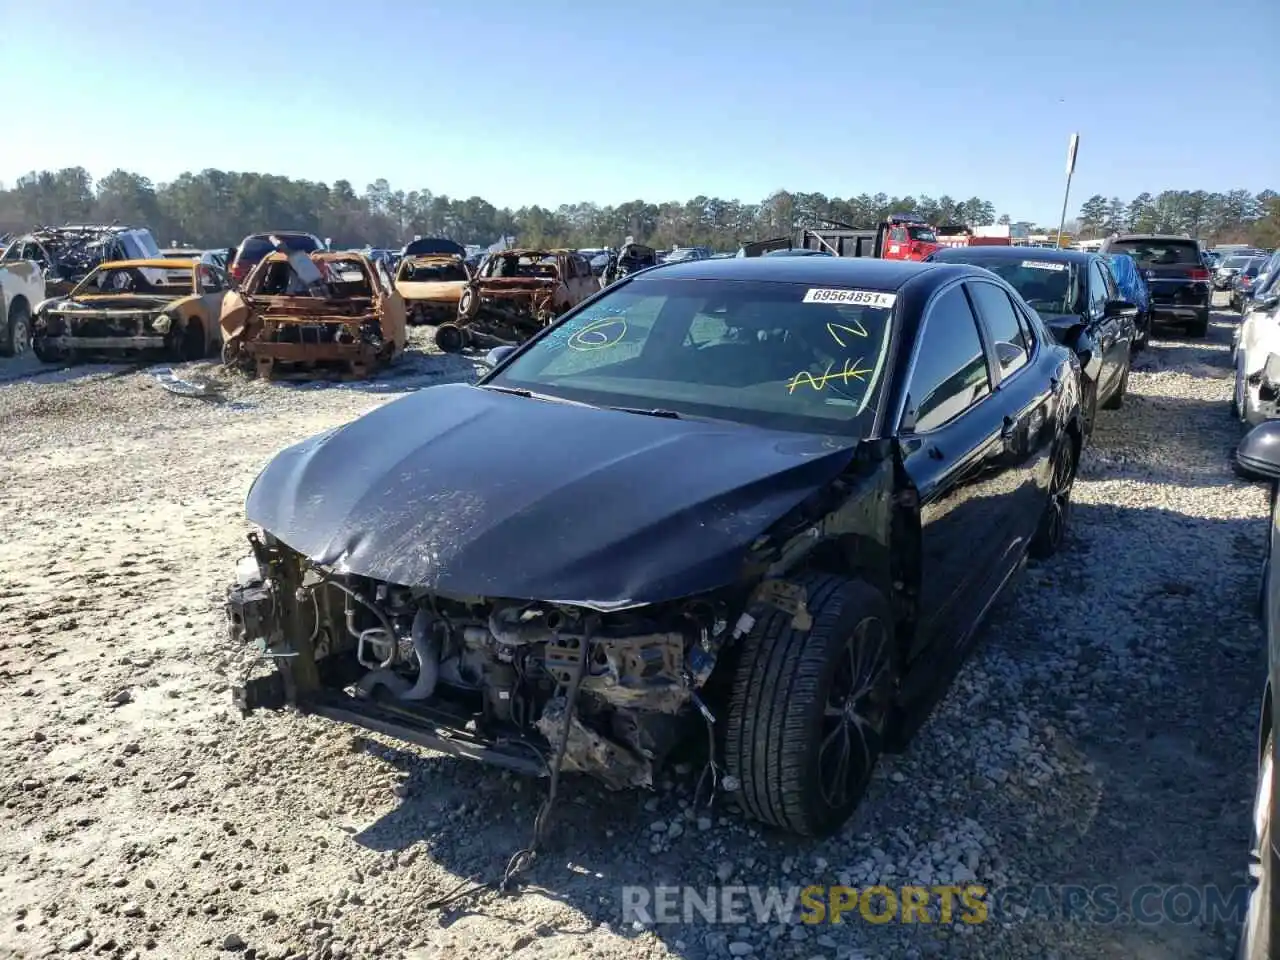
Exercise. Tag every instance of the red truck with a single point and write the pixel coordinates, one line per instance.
(909, 237)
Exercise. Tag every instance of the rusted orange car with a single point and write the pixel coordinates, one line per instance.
(134, 306)
(431, 277)
(514, 294)
(313, 315)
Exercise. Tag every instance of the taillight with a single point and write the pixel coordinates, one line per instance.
(1200, 275)
(239, 271)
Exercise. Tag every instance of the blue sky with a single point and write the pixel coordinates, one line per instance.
(553, 102)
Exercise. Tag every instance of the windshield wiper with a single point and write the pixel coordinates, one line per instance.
(514, 391)
(648, 412)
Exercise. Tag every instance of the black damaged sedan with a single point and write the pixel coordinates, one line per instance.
(1076, 295)
(763, 503)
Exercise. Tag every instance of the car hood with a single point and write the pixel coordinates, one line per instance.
(471, 492)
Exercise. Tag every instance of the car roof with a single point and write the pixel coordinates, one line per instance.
(1048, 254)
(841, 271)
(1162, 237)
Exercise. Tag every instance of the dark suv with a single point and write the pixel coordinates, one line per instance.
(1181, 291)
(257, 245)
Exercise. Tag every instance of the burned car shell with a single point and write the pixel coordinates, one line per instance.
(182, 320)
(655, 543)
(431, 276)
(514, 294)
(302, 315)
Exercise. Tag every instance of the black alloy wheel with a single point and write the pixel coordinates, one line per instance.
(854, 718)
(1056, 518)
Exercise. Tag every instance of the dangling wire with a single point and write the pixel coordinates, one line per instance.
(524, 858)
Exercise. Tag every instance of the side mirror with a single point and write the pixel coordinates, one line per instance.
(1258, 456)
(497, 355)
(1119, 308)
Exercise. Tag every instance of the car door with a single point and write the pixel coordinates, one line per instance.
(952, 443)
(1024, 396)
(1105, 330)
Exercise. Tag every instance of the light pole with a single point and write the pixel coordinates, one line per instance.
(1072, 149)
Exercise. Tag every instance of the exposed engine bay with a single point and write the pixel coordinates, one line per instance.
(482, 677)
(513, 296)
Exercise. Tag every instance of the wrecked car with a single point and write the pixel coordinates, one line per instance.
(22, 287)
(431, 277)
(134, 306)
(759, 502)
(67, 254)
(513, 295)
(303, 315)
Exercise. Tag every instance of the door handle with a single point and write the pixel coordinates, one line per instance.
(1009, 429)
(935, 452)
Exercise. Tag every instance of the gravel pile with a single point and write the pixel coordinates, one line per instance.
(1100, 733)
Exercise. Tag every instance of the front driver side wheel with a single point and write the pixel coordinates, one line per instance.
(809, 706)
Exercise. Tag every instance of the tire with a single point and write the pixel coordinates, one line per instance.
(189, 343)
(1256, 937)
(17, 339)
(468, 304)
(1054, 522)
(1116, 400)
(451, 338)
(1199, 328)
(792, 727)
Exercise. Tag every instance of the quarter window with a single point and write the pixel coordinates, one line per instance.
(1011, 340)
(950, 372)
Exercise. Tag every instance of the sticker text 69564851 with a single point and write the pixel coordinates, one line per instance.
(860, 298)
(1044, 265)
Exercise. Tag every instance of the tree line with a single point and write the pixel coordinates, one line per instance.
(1236, 216)
(217, 208)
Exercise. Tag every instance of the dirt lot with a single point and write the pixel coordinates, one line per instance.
(1101, 733)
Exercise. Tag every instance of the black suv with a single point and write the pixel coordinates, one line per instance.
(1181, 291)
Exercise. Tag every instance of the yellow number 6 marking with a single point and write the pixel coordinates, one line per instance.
(599, 334)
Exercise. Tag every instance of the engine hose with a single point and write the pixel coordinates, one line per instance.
(426, 644)
(395, 683)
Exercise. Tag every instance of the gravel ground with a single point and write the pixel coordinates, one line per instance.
(1100, 734)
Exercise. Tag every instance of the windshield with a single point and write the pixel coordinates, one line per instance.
(780, 355)
(432, 271)
(1236, 262)
(1048, 286)
(1160, 253)
(110, 280)
(923, 234)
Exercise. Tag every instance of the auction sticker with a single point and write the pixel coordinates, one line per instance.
(1044, 265)
(862, 298)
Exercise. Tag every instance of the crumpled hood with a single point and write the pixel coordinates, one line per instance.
(472, 492)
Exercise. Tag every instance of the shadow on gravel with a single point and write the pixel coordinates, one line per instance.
(1171, 348)
(1193, 447)
(1154, 683)
(31, 370)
